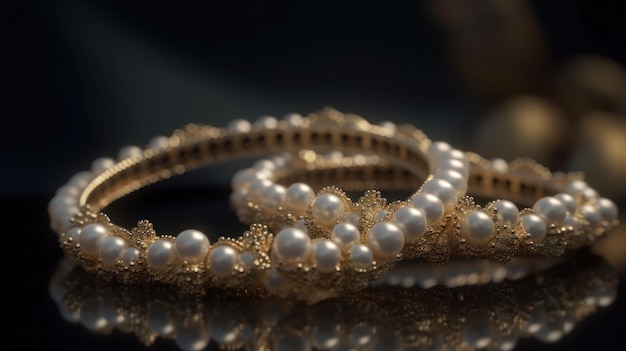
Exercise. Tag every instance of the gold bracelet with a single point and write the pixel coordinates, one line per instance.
(341, 245)
(545, 304)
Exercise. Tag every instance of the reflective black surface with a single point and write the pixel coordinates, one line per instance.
(544, 306)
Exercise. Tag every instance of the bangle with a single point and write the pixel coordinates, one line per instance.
(436, 223)
(546, 304)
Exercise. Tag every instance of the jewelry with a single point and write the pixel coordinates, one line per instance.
(354, 242)
(545, 304)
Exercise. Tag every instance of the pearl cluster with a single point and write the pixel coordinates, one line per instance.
(65, 204)
(576, 205)
(97, 241)
(385, 239)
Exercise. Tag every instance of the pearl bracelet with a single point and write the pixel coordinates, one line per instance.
(437, 223)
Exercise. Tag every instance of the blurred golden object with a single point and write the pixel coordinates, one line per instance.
(589, 83)
(522, 126)
(545, 305)
(497, 47)
(613, 248)
(599, 151)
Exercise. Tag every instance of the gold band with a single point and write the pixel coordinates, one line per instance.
(326, 242)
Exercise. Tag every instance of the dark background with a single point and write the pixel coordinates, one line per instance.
(84, 78)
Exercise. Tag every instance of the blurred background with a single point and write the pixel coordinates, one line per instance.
(503, 78)
(82, 78)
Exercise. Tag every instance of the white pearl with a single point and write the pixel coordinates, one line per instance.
(281, 160)
(158, 143)
(361, 334)
(192, 335)
(477, 227)
(239, 126)
(380, 215)
(443, 190)
(477, 331)
(506, 342)
(535, 226)
(327, 209)
(226, 328)
(130, 255)
(385, 239)
(300, 225)
(70, 191)
(390, 126)
(353, 218)
(243, 178)
(570, 221)
(239, 198)
(431, 205)
(91, 314)
(608, 209)
(345, 235)
(247, 258)
(291, 245)
(128, 152)
(326, 254)
(222, 260)
(101, 164)
(81, 179)
(264, 165)
(499, 165)
(361, 255)
(550, 209)
(110, 310)
(61, 203)
(589, 194)
(591, 214)
(575, 188)
(454, 164)
(274, 280)
(568, 201)
(507, 211)
(438, 148)
(265, 122)
(335, 157)
(73, 234)
(257, 186)
(326, 334)
(299, 196)
(64, 219)
(111, 249)
(294, 119)
(455, 178)
(459, 155)
(91, 237)
(160, 318)
(160, 254)
(550, 332)
(64, 209)
(412, 221)
(273, 197)
(191, 245)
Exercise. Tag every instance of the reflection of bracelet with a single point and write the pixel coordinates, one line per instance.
(437, 223)
(546, 305)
